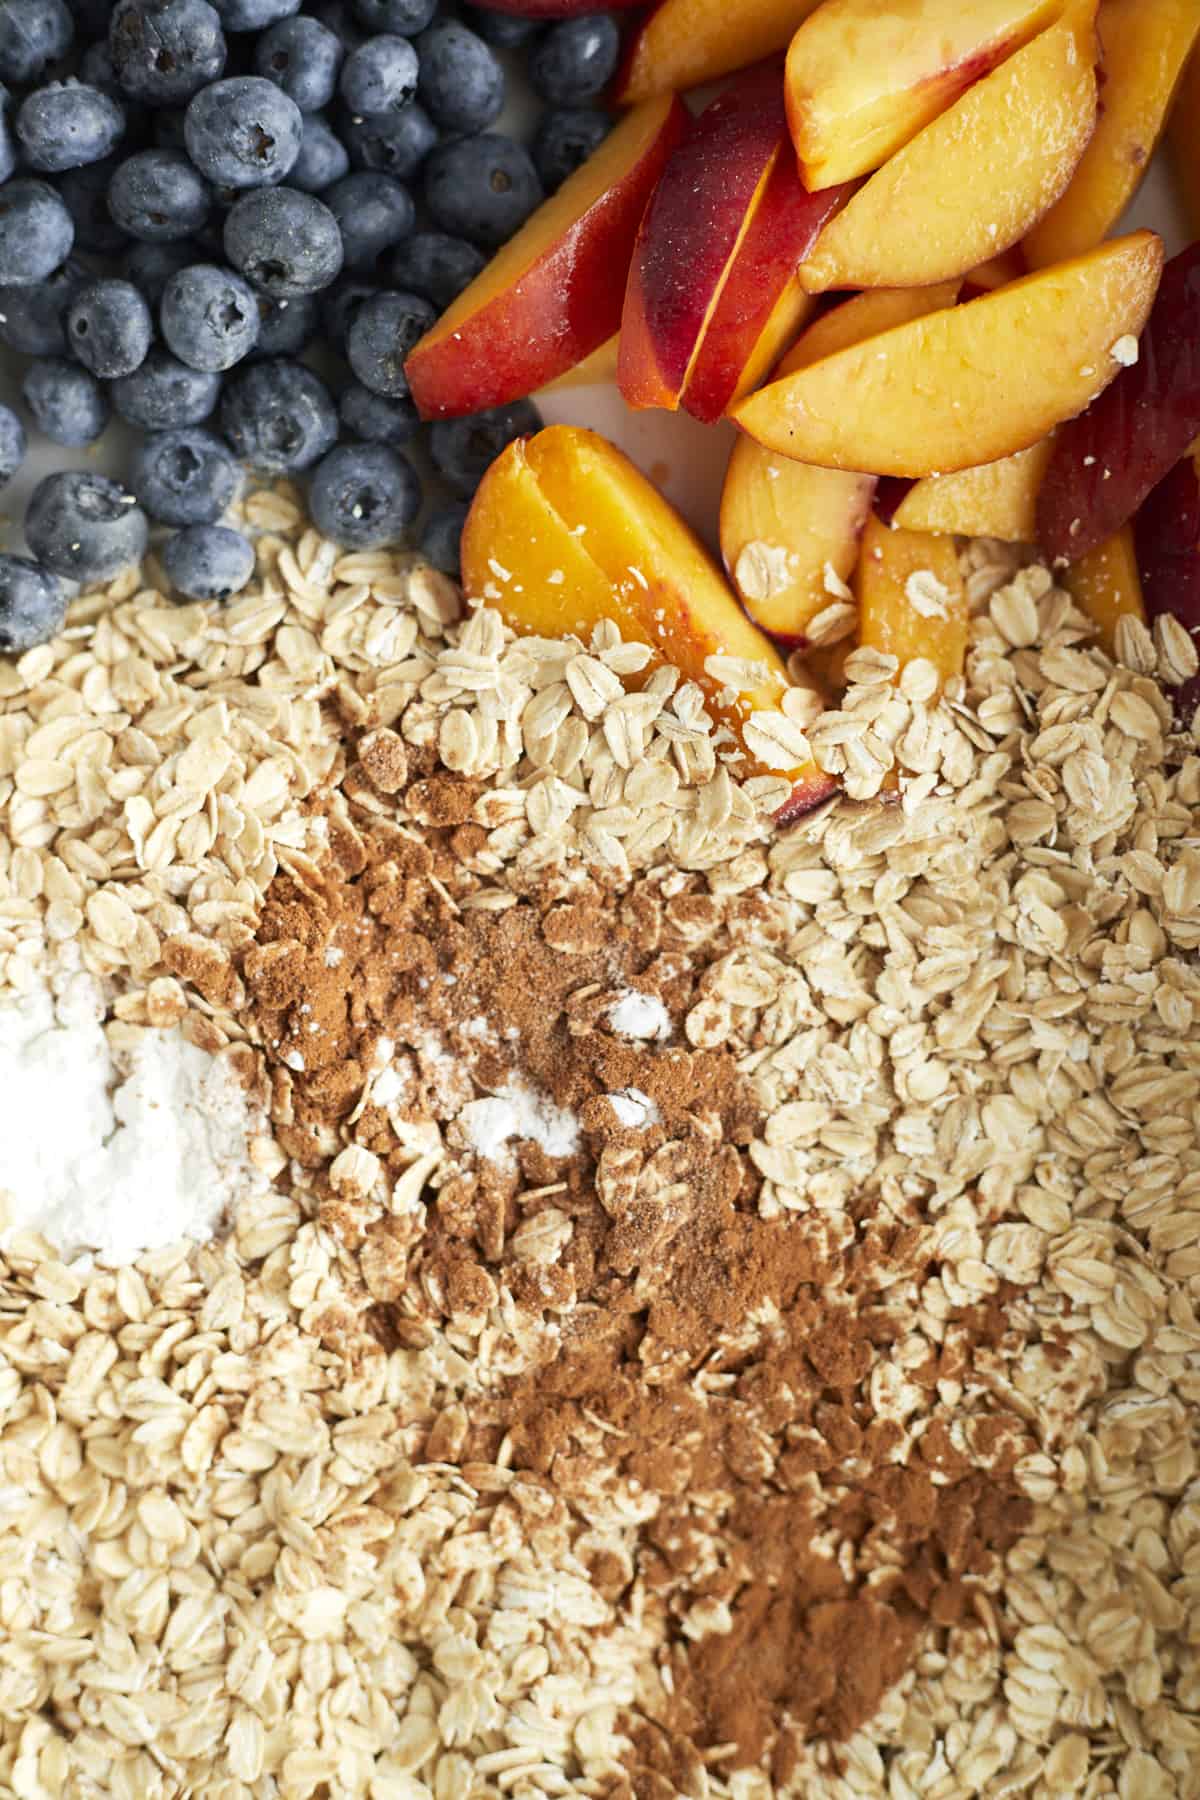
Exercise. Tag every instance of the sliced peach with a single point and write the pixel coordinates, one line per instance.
(790, 532)
(553, 295)
(1106, 586)
(717, 252)
(686, 43)
(973, 181)
(972, 383)
(1184, 135)
(1145, 48)
(554, 9)
(565, 531)
(996, 272)
(996, 500)
(912, 601)
(864, 78)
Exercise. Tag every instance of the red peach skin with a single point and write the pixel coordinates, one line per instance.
(1168, 554)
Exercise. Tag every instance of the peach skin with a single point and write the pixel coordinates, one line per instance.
(969, 384)
(862, 79)
(565, 531)
(973, 181)
(1167, 535)
(997, 499)
(1105, 585)
(1144, 50)
(552, 296)
(912, 601)
(685, 43)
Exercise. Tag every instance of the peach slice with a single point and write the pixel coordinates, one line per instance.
(1167, 534)
(790, 532)
(972, 182)
(997, 499)
(1144, 52)
(996, 272)
(1106, 586)
(969, 384)
(864, 78)
(685, 43)
(1183, 131)
(717, 254)
(554, 9)
(553, 295)
(565, 531)
(912, 600)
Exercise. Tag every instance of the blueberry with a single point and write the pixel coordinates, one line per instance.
(69, 406)
(243, 133)
(32, 34)
(8, 143)
(284, 242)
(209, 317)
(364, 496)
(96, 68)
(164, 393)
(84, 526)
(36, 232)
(395, 144)
(323, 158)
(336, 16)
(405, 17)
(157, 195)
(436, 266)
(278, 416)
(380, 76)
(461, 84)
(33, 605)
(254, 15)
(302, 57)
(339, 306)
(376, 419)
(463, 450)
(286, 327)
(12, 444)
(151, 266)
(441, 540)
(373, 212)
(185, 477)
(482, 188)
(66, 125)
(208, 562)
(382, 332)
(565, 139)
(84, 193)
(31, 318)
(109, 327)
(575, 59)
(164, 51)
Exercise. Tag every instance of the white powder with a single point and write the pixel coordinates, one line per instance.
(113, 1155)
(635, 1109)
(640, 1016)
(519, 1111)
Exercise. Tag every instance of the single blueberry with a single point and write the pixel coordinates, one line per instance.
(396, 144)
(377, 419)
(502, 30)
(303, 57)
(441, 540)
(243, 133)
(337, 17)
(373, 212)
(481, 188)
(208, 562)
(323, 158)
(284, 242)
(84, 527)
(364, 496)
(185, 477)
(575, 59)
(36, 232)
(404, 17)
(278, 416)
(209, 317)
(33, 33)
(151, 266)
(109, 327)
(463, 450)
(66, 125)
(435, 265)
(164, 393)
(164, 51)
(382, 332)
(380, 76)
(158, 196)
(96, 68)
(339, 306)
(12, 444)
(565, 139)
(286, 327)
(33, 605)
(254, 15)
(84, 193)
(69, 406)
(31, 318)
(461, 83)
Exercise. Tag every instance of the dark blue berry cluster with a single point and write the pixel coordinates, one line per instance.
(199, 199)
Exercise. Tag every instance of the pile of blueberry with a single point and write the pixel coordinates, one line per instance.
(208, 208)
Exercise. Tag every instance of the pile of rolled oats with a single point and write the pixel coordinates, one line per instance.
(243, 1548)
